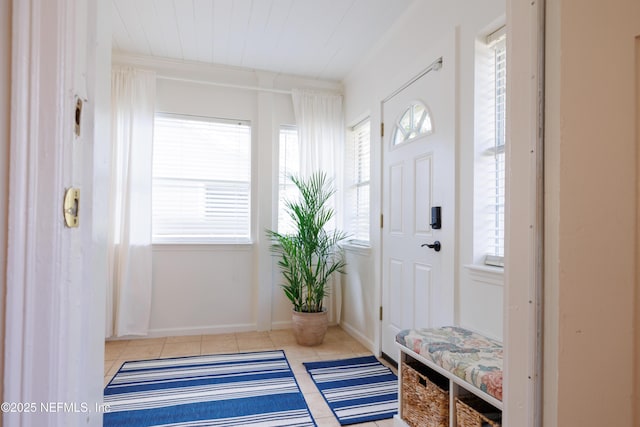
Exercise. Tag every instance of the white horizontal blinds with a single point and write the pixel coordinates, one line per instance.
(358, 169)
(201, 180)
(498, 196)
(288, 164)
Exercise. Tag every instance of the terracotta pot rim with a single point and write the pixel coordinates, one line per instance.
(310, 312)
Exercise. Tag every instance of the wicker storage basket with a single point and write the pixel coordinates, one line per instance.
(471, 411)
(424, 404)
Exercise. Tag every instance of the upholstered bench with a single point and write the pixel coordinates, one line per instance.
(471, 363)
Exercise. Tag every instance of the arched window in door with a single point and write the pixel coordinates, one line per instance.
(414, 122)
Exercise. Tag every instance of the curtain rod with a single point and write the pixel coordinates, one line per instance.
(434, 66)
(228, 85)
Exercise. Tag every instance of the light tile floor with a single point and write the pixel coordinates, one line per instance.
(337, 345)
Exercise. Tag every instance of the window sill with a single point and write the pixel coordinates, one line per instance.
(359, 249)
(202, 247)
(486, 274)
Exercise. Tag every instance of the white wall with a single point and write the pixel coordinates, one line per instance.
(591, 186)
(360, 298)
(205, 289)
(395, 60)
(223, 288)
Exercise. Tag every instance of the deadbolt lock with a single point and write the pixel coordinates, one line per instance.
(70, 206)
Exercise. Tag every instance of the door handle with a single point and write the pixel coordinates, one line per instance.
(436, 246)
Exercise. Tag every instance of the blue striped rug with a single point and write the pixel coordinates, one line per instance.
(357, 390)
(242, 389)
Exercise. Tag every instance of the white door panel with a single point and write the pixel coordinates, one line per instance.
(396, 176)
(422, 284)
(419, 173)
(423, 191)
(395, 300)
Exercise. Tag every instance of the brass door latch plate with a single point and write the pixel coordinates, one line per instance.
(71, 206)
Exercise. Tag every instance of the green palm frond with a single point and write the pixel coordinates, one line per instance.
(310, 256)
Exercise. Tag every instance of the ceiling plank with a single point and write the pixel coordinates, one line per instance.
(240, 17)
(257, 38)
(266, 53)
(319, 39)
(306, 34)
(128, 15)
(222, 10)
(120, 39)
(168, 26)
(185, 18)
(148, 20)
(365, 19)
(203, 12)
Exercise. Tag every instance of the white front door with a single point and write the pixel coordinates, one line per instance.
(418, 174)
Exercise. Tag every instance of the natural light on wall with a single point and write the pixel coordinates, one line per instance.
(201, 180)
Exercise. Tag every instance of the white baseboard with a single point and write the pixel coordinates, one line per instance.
(360, 337)
(202, 330)
(281, 324)
(286, 324)
(228, 329)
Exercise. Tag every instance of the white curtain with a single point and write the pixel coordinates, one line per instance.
(132, 112)
(320, 123)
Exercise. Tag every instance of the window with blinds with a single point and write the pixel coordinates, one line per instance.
(497, 41)
(358, 182)
(288, 164)
(201, 180)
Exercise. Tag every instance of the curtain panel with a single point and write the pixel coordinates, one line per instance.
(129, 294)
(320, 123)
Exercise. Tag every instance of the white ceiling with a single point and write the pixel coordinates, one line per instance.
(321, 39)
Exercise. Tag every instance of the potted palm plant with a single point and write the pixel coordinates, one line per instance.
(309, 256)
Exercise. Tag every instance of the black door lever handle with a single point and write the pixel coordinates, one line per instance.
(436, 246)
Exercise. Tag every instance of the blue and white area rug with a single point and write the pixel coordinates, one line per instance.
(242, 389)
(357, 390)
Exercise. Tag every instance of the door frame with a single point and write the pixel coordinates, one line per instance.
(5, 116)
(524, 214)
(55, 289)
(33, 238)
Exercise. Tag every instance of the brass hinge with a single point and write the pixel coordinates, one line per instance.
(381, 220)
(381, 313)
(381, 129)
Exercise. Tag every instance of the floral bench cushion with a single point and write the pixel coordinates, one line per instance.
(468, 355)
